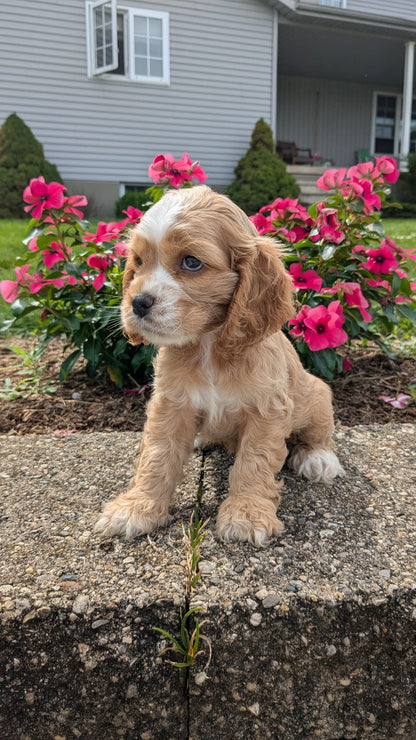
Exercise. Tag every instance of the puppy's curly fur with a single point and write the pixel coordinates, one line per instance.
(203, 285)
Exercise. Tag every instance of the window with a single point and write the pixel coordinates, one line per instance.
(385, 124)
(130, 42)
(334, 3)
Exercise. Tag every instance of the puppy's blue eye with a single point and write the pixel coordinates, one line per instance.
(191, 263)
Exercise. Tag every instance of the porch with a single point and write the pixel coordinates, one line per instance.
(343, 88)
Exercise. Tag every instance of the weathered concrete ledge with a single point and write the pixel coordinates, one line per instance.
(313, 636)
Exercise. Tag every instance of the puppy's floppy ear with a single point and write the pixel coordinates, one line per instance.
(134, 337)
(262, 301)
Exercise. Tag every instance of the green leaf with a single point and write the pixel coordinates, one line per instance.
(115, 375)
(70, 322)
(18, 306)
(377, 228)
(91, 350)
(403, 309)
(329, 251)
(324, 361)
(76, 270)
(33, 233)
(395, 285)
(68, 365)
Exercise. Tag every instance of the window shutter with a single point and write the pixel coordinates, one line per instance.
(102, 36)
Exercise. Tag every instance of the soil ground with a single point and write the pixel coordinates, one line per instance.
(91, 405)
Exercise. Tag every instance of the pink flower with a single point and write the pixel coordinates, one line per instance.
(400, 402)
(377, 283)
(298, 323)
(166, 171)
(133, 214)
(54, 254)
(324, 327)
(121, 249)
(73, 203)
(371, 200)
(42, 196)
(354, 297)
(362, 170)
(332, 235)
(33, 246)
(38, 282)
(99, 262)
(308, 279)
(9, 290)
(381, 259)
(106, 232)
(388, 168)
(331, 179)
(262, 223)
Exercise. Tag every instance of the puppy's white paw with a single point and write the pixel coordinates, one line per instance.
(315, 465)
(130, 517)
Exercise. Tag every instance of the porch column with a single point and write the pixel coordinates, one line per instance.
(407, 103)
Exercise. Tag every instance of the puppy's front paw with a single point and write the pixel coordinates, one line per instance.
(131, 514)
(248, 520)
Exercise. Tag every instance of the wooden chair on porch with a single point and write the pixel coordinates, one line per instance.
(293, 154)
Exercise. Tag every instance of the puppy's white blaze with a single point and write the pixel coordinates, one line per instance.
(161, 216)
(162, 285)
(317, 465)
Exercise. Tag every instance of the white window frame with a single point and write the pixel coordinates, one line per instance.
(397, 122)
(94, 69)
(333, 3)
(129, 14)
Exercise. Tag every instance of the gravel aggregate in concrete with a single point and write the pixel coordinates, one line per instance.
(312, 636)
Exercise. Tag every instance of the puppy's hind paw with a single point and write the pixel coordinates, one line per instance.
(316, 465)
(130, 517)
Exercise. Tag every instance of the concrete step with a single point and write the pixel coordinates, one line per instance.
(311, 636)
(306, 178)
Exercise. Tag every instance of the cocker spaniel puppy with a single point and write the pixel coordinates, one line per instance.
(201, 284)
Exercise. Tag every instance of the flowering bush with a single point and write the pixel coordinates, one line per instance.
(347, 274)
(76, 281)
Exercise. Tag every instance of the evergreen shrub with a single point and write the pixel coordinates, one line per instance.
(21, 159)
(261, 174)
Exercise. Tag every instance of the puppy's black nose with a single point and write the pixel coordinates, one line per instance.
(142, 304)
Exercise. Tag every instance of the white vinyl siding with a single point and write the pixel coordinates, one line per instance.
(108, 129)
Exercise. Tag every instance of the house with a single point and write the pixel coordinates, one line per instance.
(106, 85)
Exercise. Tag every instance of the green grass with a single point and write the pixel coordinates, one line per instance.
(403, 231)
(11, 235)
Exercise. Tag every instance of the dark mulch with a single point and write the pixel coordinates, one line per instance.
(91, 405)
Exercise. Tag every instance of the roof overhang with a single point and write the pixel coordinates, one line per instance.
(344, 19)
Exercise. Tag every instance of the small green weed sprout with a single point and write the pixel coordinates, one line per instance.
(188, 644)
(32, 370)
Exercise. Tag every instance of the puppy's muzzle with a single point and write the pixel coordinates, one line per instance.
(142, 303)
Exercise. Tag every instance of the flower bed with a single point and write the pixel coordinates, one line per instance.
(348, 275)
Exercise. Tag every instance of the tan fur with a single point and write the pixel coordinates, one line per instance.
(225, 370)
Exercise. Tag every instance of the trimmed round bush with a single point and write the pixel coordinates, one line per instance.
(21, 159)
(261, 174)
